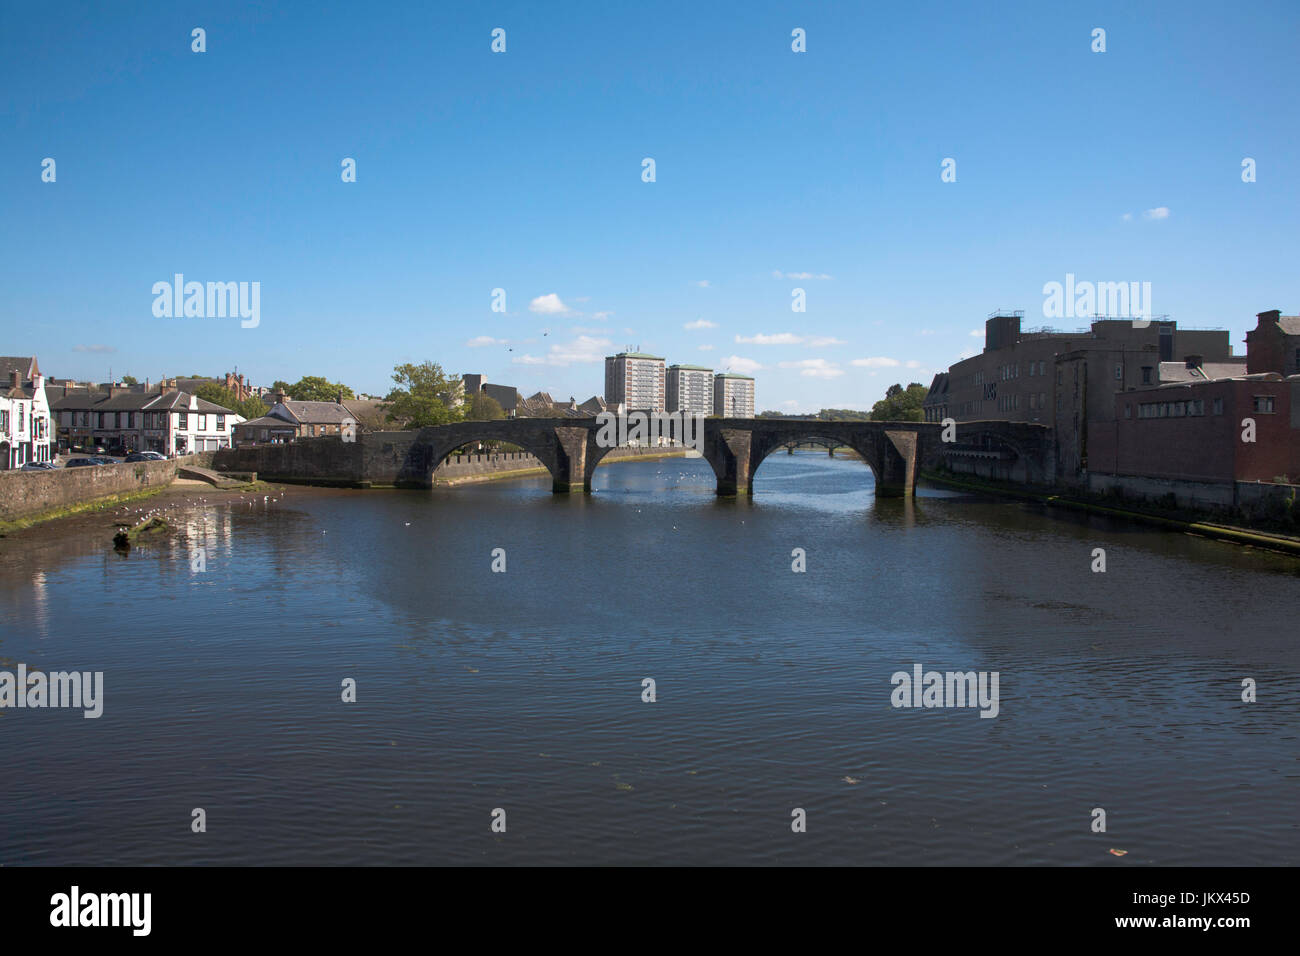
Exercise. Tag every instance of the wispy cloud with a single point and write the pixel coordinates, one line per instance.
(601, 316)
(700, 324)
(815, 368)
(479, 341)
(94, 348)
(583, 350)
(778, 274)
(706, 348)
(977, 333)
(876, 361)
(1160, 212)
(789, 338)
(701, 283)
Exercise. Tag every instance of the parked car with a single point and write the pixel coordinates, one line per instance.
(103, 460)
(82, 462)
(145, 456)
(39, 466)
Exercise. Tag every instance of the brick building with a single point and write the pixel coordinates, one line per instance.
(1069, 379)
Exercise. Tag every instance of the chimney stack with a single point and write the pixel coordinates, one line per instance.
(14, 381)
(1271, 316)
(1194, 361)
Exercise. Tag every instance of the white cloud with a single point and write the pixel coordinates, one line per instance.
(700, 324)
(815, 368)
(778, 274)
(601, 316)
(927, 332)
(1127, 217)
(976, 333)
(94, 348)
(701, 283)
(548, 304)
(781, 338)
(582, 350)
(481, 340)
(706, 348)
(737, 363)
(1160, 212)
(876, 361)
(789, 338)
(912, 363)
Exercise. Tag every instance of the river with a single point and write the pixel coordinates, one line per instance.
(523, 691)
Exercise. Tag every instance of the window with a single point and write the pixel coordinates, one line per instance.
(1119, 373)
(203, 422)
(101, 419)
(1218, 406)
(1263, 403)
(221, 423)
(1128, 410)
(1042, 367)
(4, 420)
(1032, 369)
(184, 421)
(22, 410)
(1146, 374)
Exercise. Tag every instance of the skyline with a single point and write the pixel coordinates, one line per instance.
(522, 171)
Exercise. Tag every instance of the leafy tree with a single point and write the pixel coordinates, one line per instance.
(130, 380)
(280, 385)
(420, 398)
(314, 388)
(901, 405)
(843, 415)
(482, 407)
(249, 408)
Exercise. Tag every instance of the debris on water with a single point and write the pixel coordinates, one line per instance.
(1118, 852)
(125, 537)
(849, 779)
(622, 786)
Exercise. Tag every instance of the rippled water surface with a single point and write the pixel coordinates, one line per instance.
(522, 690)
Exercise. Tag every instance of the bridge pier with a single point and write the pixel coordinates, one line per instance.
(896, 453)
(728, 452)
(570, 471)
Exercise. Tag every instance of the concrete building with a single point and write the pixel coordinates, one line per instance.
(733, 395)
(1068, 379)
(635, 381)
(507, 396)
(26, 432)
(689, 389)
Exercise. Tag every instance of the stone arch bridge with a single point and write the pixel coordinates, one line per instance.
(736, 447)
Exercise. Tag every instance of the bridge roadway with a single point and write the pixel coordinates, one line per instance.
(733, 447)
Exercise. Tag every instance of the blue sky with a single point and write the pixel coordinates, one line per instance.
(523, 171)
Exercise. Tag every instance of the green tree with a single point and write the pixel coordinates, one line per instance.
(418, 399)
(482, 407)
(130, 380)
(280, 385)
(249, 408)
(901, 405)
(843, 415)
(315, 388)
